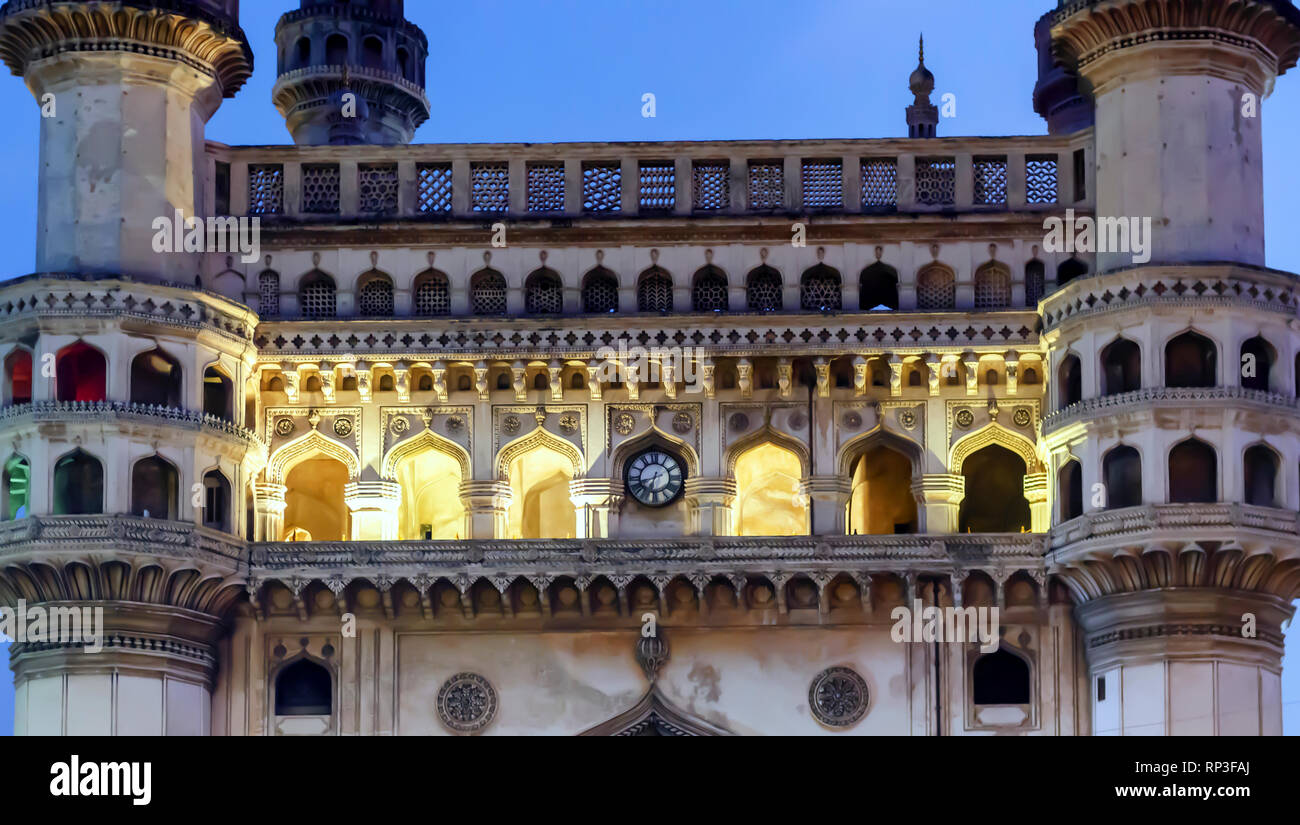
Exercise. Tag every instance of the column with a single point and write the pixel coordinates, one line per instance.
(1040, 517)
(939, 496)
(829, 495)
(596, 502)
(268, 506)
(709, 503)
(485, 507)
(373, 505)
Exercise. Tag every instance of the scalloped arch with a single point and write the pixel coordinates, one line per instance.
(538, 438)
(994, 433)
(427, 440)
(304, 447)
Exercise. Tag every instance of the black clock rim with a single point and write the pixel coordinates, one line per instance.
(627, 470)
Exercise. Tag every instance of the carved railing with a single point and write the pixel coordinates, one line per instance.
(184, 419)
(100, 533)
(1195, 521)
(1128, 401)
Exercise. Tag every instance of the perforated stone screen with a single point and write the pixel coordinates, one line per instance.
(377, 188)
(658, 183)
(763, 290)
(265, 189)
(545, 187)
(432, 295)
(375, 298)
(823, 183)
(819, 289)
(936, 181)
(1035, 282)
(487, 293)
(766, 184)
(654, 292)
(1040, 179)
(600, 292)
(712, 184)
(709, 293)
(992, 288)
(879, 183)
(489, 187)
(320, 188)
(936, 289)
(268, 295)
(602, 187)
(543, 293)
(990, 181)
(434, 187)
(317, 298)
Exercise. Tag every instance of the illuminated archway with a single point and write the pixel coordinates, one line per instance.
(881, 501)
(995, 501)
(768, 501)
(81, 373)
(314, 500)
(430, 470)
(540, 507)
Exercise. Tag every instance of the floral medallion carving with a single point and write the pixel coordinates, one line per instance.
(838, 697)
(624, 423)
(510, 424)
(798, 420)
(284, 426)
(343, 427)
(398, 426)
(467, 703)
(851, 420)
(1021, 417)
(965, 418)
(455, 424)
(907, 419)
(683, 423)
(739, 422)
(568, 424)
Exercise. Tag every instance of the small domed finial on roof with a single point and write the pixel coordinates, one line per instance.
(922, 81)
(922, 116)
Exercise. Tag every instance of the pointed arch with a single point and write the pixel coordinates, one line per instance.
(993, 434)
(306, 446)
(539, 438)
(654, 715)
(777, 437)
(427, 440)
(879, 436)
(650, 438)
(654, 290)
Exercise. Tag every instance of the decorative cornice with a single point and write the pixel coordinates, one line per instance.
(101, 411)
(1156, 397)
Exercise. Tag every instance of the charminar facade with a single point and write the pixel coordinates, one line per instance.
(405, 470)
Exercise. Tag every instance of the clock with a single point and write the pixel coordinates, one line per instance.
(655, 478)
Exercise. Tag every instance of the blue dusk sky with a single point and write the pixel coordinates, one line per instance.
(575, 70)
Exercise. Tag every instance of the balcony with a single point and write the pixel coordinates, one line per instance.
(1266, 402)
(42, 411)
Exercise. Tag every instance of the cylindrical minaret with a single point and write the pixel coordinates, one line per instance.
(125, 90)
(1059, 97)
(350, 73)
(922, 115)
(1178, 89)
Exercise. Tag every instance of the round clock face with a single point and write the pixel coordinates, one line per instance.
(655, 478)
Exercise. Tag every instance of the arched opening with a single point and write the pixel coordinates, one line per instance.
(1257, 357)
(878, 288)
(315, 501)
(302, 53)
(654, 291)
(1035, 282)
(1070, 269)
(155, 488)
(600, 292)
(1000, 678)
(709, 290)
(81, 372)
(268, 294)
(1069, 481)
(372, 53)
(992, 286)
(1191, 361)
(995, 492)
(540, 507)
(336, 50)
(487, 293)
(1193, 472)
(1122, 469)
(543, 293)
(1259, 470)
(763, 290)
(1121, 367)
(16, 488)
(216, 501)
(18, 377)
(156, 379)
(78, 485)
(936, 288)
(819, 289)
(881, 501)
(317, 296)
(431, 507)
(404, 64)
(1070, 389)
(432, 294)
(304, 688)
(375, 295)
(218, 394)
(768, 502)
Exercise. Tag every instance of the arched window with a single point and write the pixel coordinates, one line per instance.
(995, 492)
(218, 394)
(881, 501)
(268, 293)
(154, 488)
(1193, 472)
(543, 293)
(1122, 469)
(1069, 480)
(425, 384)
(302, 53)
(540, 506)
(315, 499)
(404, 63)
(1000, 678)
(78, 485)
(336, 50)
(216, 501)
(763, 290)
(936, 288)
(304, 688)
(487, 293)
(156, 379)
(81, 373)
(819, 289)
(709, 290)
(600, 292)
(878, 288)
(16, 488)
(432, 294)
(767, 486)
(1260, 468)
(375, 295)
(1121, 367)
(1035, 282)
(992, 287)
(1191, 361)
(1070, 269)
(1070, 374)
(316, 296)
(1257, 357)
(654, 291)
(372, 53)
(18, 377)
(577, 382)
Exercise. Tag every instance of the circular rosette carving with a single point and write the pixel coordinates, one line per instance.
(1021, 417)
(467, 703)
(838, 697)
(283, 426)
(683, 423)
(965, 418)
(624, 423)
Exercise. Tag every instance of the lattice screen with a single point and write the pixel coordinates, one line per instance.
(602, 187)
(489, 187)
(375, 299)
(268, 296)
(600, 292)
(487, 293)
(658, 185)
(819, 289)
(936, 289)
(1040, 179)
(265, 189)
(879, 183)
(709, 293)
(712, 184)
(936, 181)
(766, 184)
(990, 181)
(1035, 282)
(317, 298)
(377, 188)
(432, 295)
(434, 187)
(823, 184)
(992, 287)
(543, 293)
(654, 293)
(763, 290)
(320, 188)
(545, 187)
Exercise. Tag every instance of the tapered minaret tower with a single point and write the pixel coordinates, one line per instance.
(329, 50)
(922, 115)
(1175, 440)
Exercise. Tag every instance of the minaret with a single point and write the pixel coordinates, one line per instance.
(922, 115)
(1059, 97)
(350, 73)
(125, 91)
